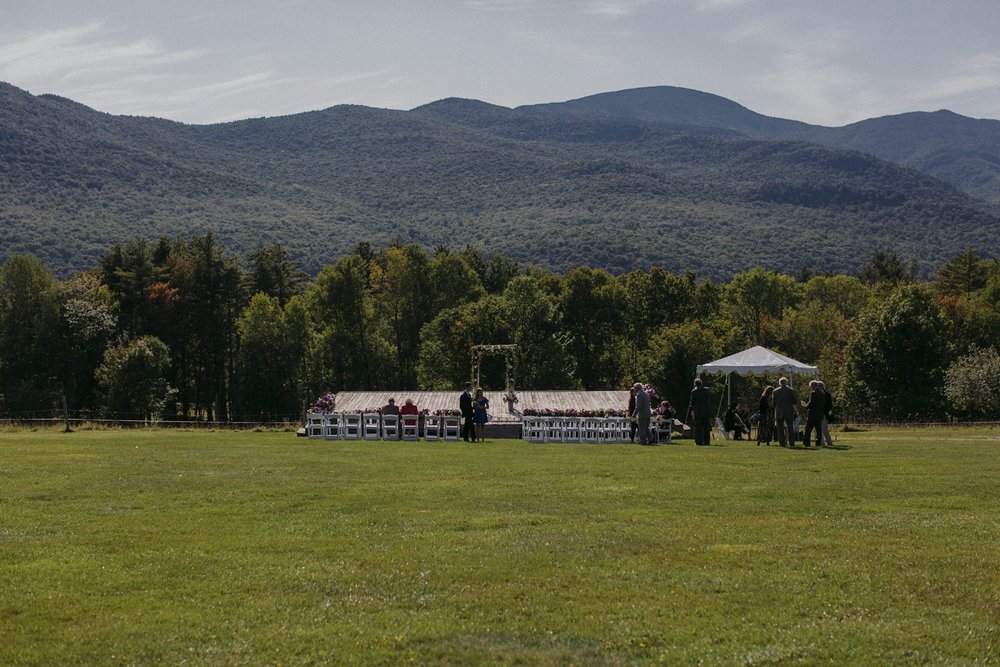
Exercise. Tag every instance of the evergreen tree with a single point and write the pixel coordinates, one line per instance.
(273, 272)
(963, 274)
(29, 335)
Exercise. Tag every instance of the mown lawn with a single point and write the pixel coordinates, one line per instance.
(152, 547)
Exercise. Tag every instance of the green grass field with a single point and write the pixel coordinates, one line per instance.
(147, 547)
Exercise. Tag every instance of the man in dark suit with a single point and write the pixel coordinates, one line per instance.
(465, 405)
(784, 400)
(815, 411)
(701, 411)
(827, 413)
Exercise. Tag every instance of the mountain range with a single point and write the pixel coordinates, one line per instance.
(660, 176)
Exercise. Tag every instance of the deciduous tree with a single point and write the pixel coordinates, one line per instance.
(132, 377)
(897, 357)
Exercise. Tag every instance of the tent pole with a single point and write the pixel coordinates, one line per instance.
(690, 403)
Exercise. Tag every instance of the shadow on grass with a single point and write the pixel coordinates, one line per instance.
(802, 448)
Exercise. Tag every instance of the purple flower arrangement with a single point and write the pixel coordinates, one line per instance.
(654, 398)
(571, 412)
(324, 404)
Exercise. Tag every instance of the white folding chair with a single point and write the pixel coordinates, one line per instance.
(351, 428)
(553, 429)
(452, 427)
(665, 429)
(591, 430)
(571, 429)
(534, 429)
(411, 427)
(315, 424)
(617, 429)
(432, 427)
(370, 426)
(390, 427)
(332, 429)
(720, 429)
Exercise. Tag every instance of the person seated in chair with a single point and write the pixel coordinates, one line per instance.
(731, 422)
(409, 408)
(391, 408)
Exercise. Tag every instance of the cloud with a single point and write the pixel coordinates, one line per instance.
(132, 75)
(719, 5)
(75, 59)
(610, 9)
(970, 75)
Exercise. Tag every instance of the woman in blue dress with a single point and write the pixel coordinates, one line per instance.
(479, 415)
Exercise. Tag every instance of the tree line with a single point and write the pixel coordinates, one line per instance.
(179, 329)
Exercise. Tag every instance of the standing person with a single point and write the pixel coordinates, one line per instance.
(827, 414)
(783, 401)
(465, 405)
(815, 409)
(642, 413)
(701, 410)
(480, 415)
(631, 412)
(765, 422)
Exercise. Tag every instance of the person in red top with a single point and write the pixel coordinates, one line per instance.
(409, 414)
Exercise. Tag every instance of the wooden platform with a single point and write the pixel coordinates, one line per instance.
(500, 411)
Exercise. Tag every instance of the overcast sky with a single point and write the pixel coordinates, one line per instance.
(829, 62)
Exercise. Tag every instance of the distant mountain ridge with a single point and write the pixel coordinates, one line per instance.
(957, 149)
(682, 184)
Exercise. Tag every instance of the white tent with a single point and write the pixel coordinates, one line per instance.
(755, 361)
(758, 361)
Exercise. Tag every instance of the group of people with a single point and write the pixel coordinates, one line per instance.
(473, 408)
(474, 414)
(409, 408)
(777, 415)
(640, 412)
(778, 410)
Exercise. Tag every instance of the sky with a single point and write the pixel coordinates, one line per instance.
(828, 62)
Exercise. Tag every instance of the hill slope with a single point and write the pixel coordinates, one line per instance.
(546, 188)
(959, 150)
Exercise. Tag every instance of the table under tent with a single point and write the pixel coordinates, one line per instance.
(756, 360)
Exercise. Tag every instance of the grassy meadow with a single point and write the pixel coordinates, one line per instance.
(229, 548)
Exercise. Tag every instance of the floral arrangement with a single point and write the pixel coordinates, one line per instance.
(571, 412)
(666, 408)
(324, 404)
(372, 411)
(654, 398)
(448, 412)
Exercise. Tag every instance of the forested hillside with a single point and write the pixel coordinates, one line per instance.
(549, 189)
(962, 151)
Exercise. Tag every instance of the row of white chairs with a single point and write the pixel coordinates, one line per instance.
(588, 429)
(374, 426)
